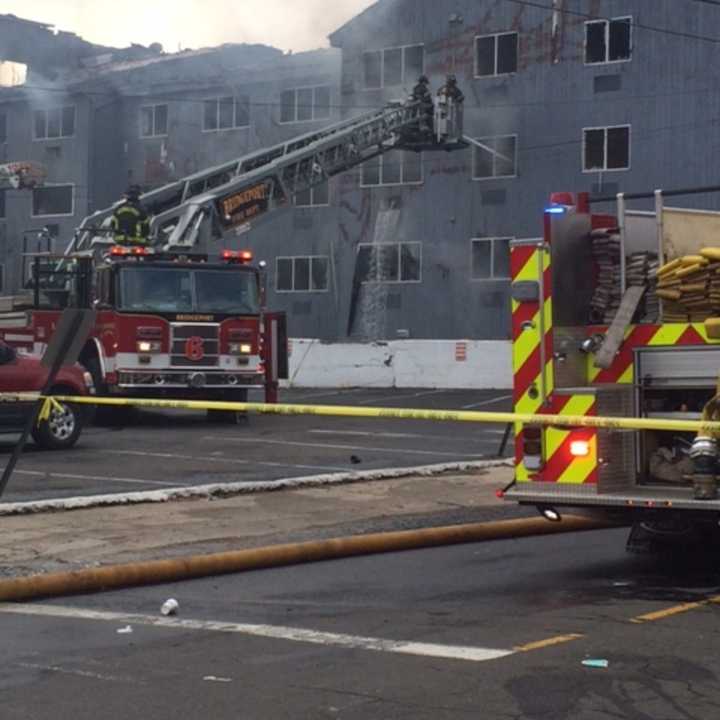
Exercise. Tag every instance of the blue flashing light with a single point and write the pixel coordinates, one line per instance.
(556, 210)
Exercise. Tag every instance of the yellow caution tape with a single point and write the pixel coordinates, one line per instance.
(49, 404)
(502, 418)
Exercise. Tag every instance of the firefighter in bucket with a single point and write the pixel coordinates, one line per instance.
(130, 222)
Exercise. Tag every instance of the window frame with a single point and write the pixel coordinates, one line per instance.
(403, 65)
(607, 22)
(399, 246)
(46, 110)
(605, 128)
(52, 215)
(475, 149)
(381, 160)
(310, 258)
(314, 89)
(496, 35)
(492, 239)
(313, 204)
(154, 107)
(217, 99)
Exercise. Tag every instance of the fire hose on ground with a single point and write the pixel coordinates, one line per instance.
(155, 572)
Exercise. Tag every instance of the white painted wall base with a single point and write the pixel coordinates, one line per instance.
(477, 364)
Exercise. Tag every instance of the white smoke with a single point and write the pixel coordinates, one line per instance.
(286, 24)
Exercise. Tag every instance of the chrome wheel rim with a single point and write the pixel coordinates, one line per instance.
(61, 423)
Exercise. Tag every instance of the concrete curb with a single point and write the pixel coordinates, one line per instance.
(224, 490)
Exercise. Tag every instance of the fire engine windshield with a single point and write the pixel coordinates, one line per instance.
(191, 290)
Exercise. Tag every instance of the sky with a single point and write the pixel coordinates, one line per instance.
(287, 24)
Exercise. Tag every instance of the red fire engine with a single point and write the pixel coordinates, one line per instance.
(617, 315)
(174, 321)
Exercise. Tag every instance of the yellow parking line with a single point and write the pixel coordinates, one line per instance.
(675, 610)
(548, 642)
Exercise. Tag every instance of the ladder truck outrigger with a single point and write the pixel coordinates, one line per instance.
(171, 320)
(617, 314)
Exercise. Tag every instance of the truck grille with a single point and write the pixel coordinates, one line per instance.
(194, 345)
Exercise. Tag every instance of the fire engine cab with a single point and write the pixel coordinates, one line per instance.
(617, 313)
(184, 326)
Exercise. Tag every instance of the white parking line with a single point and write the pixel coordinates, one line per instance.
(291, 443)
(403, 436)
(105, 478)
(395, 398)
(491, 401)
(222, 459)
(276, 632)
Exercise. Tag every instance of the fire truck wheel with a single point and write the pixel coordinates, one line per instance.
(229, 417)
(61, 430)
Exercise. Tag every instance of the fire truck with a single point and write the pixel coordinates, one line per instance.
(616, 314)
(182, 319)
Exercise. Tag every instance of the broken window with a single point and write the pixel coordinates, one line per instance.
(606, 148)
(490, 258)
(302, 274)
(373, 69)
(393, 66)
(608, 40)
(305, 104)
(395, 168)
(153, 120)
(389, 262)
(54, 123)
(496, 54)
(495, 157)
(53, 200)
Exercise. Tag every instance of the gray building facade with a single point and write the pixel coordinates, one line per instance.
(580, 95)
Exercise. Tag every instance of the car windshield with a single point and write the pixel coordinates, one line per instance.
(180, 290)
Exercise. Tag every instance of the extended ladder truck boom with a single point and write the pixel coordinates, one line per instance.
(233, 195)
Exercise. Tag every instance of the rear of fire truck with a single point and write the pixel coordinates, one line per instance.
(617, 315)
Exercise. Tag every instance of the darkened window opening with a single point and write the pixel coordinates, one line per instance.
(389, 262)
(608, 40)
(606, 148)
(490, 258)
(496, 54)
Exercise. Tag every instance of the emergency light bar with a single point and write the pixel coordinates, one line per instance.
(122, 251)
(240, 256)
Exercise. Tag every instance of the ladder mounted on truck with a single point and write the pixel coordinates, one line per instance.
(234, 195)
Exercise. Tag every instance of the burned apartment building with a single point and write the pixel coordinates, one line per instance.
(589, 95)
(100, 119)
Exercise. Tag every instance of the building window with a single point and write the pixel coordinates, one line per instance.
(226, 113)
(490, 258)
(3, 128)
(302, 274)
(153, 121)
(54, 123)
(2, 204)
(608, 41)
(495, 157)
(390, 262)
(496, 54)
(393, 66)
(606, 148)
(305, 104)
(396, 168)
(53, 200)
(313, 197)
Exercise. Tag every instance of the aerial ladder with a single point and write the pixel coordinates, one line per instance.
(234, 195)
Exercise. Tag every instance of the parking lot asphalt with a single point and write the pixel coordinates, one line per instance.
(496, 630)
(167, 449)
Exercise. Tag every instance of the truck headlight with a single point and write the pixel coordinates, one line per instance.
(146, 346)
(240, 348)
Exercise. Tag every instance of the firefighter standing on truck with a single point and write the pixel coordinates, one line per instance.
(130, 221)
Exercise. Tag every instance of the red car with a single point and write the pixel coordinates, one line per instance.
(25, 373)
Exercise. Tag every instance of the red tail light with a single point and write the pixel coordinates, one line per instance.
(238, 256)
